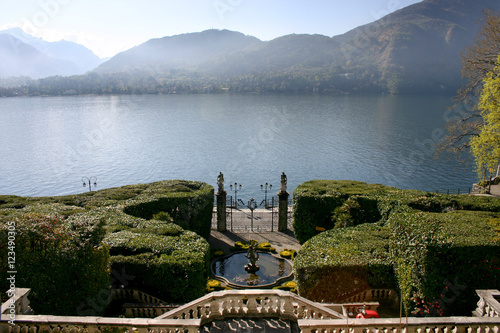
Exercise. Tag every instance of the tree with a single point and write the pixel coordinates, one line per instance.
(464, 119)
(486, 145)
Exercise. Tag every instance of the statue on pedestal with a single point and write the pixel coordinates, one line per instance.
(253, 256)
(220, 182)
(283, 182)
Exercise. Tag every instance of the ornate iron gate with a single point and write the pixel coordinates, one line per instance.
(237, 215)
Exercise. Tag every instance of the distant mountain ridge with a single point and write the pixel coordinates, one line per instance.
(21, 59)
(414, 49)
(51, 58)
(186, 51)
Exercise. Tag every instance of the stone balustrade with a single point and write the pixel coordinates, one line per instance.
(146, 310)
(311, 317)
(136, 295)
(371, 295)
(488, 305)
(405, 325)
(17, 304)
(56, 324)
(248, 303)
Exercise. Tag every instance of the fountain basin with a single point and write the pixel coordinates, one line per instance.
(231, 270)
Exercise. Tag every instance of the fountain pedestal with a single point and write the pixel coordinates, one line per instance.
(251, 268)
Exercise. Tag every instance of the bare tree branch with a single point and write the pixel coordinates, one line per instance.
(477, 61)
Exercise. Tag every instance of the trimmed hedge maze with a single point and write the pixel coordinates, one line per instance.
(69, 248)
(436, 250)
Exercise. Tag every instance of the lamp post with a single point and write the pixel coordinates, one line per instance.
(90, 181)
(237, 187)
(264, 188)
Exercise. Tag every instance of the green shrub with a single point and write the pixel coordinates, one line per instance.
(448, 255)
(318, 203)
(341, 262)
(438, 243)
(61, 259)
(174, 268)
(190, 204)
(161, 252)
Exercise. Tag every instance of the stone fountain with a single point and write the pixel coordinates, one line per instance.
(251, 268)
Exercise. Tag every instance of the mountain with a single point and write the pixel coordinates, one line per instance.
(72, 58)
(21, 59)
(415, 49)
(418, 47)
(186, 51)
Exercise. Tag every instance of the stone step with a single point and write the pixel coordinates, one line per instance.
(251, 325)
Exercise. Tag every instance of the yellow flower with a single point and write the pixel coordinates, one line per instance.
(213, 283)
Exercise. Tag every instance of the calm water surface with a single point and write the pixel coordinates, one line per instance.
(49, 143)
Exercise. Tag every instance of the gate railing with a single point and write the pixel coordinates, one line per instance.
(265, 217)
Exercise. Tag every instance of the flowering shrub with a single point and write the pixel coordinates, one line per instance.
(61, 259)
(288, 253)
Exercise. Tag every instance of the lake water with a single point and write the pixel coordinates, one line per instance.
(49, 143)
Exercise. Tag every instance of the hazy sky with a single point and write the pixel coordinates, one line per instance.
(110, 26)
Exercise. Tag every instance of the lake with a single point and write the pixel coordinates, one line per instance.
(49, 143)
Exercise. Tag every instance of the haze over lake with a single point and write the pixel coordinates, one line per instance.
(49, 143)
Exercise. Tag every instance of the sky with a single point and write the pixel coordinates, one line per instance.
(108, 27)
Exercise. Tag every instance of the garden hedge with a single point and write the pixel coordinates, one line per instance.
(173, 268)
(340, 263)
(315, 202)
(143, 225)
(431, 244)
(61, 259)
(190, 204)
(449, 256)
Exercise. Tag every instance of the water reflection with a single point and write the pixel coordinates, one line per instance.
(232, 269)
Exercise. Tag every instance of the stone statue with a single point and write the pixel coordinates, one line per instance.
(283, 182)
(220, 182)
(253, 256)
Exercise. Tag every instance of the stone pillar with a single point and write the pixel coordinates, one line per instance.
(221, 211)
(283, 210)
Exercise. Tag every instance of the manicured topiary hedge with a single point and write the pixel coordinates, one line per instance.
(62, 259)
(315, 202)
(448, 255)
(173, 268)
(340, 263)
(151, 243)
(437, 244)
(190, 204)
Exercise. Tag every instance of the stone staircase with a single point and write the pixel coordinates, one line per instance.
(251, 325)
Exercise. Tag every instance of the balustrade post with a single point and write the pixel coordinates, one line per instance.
(213, 308)
(252, 305)
(288, 308)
